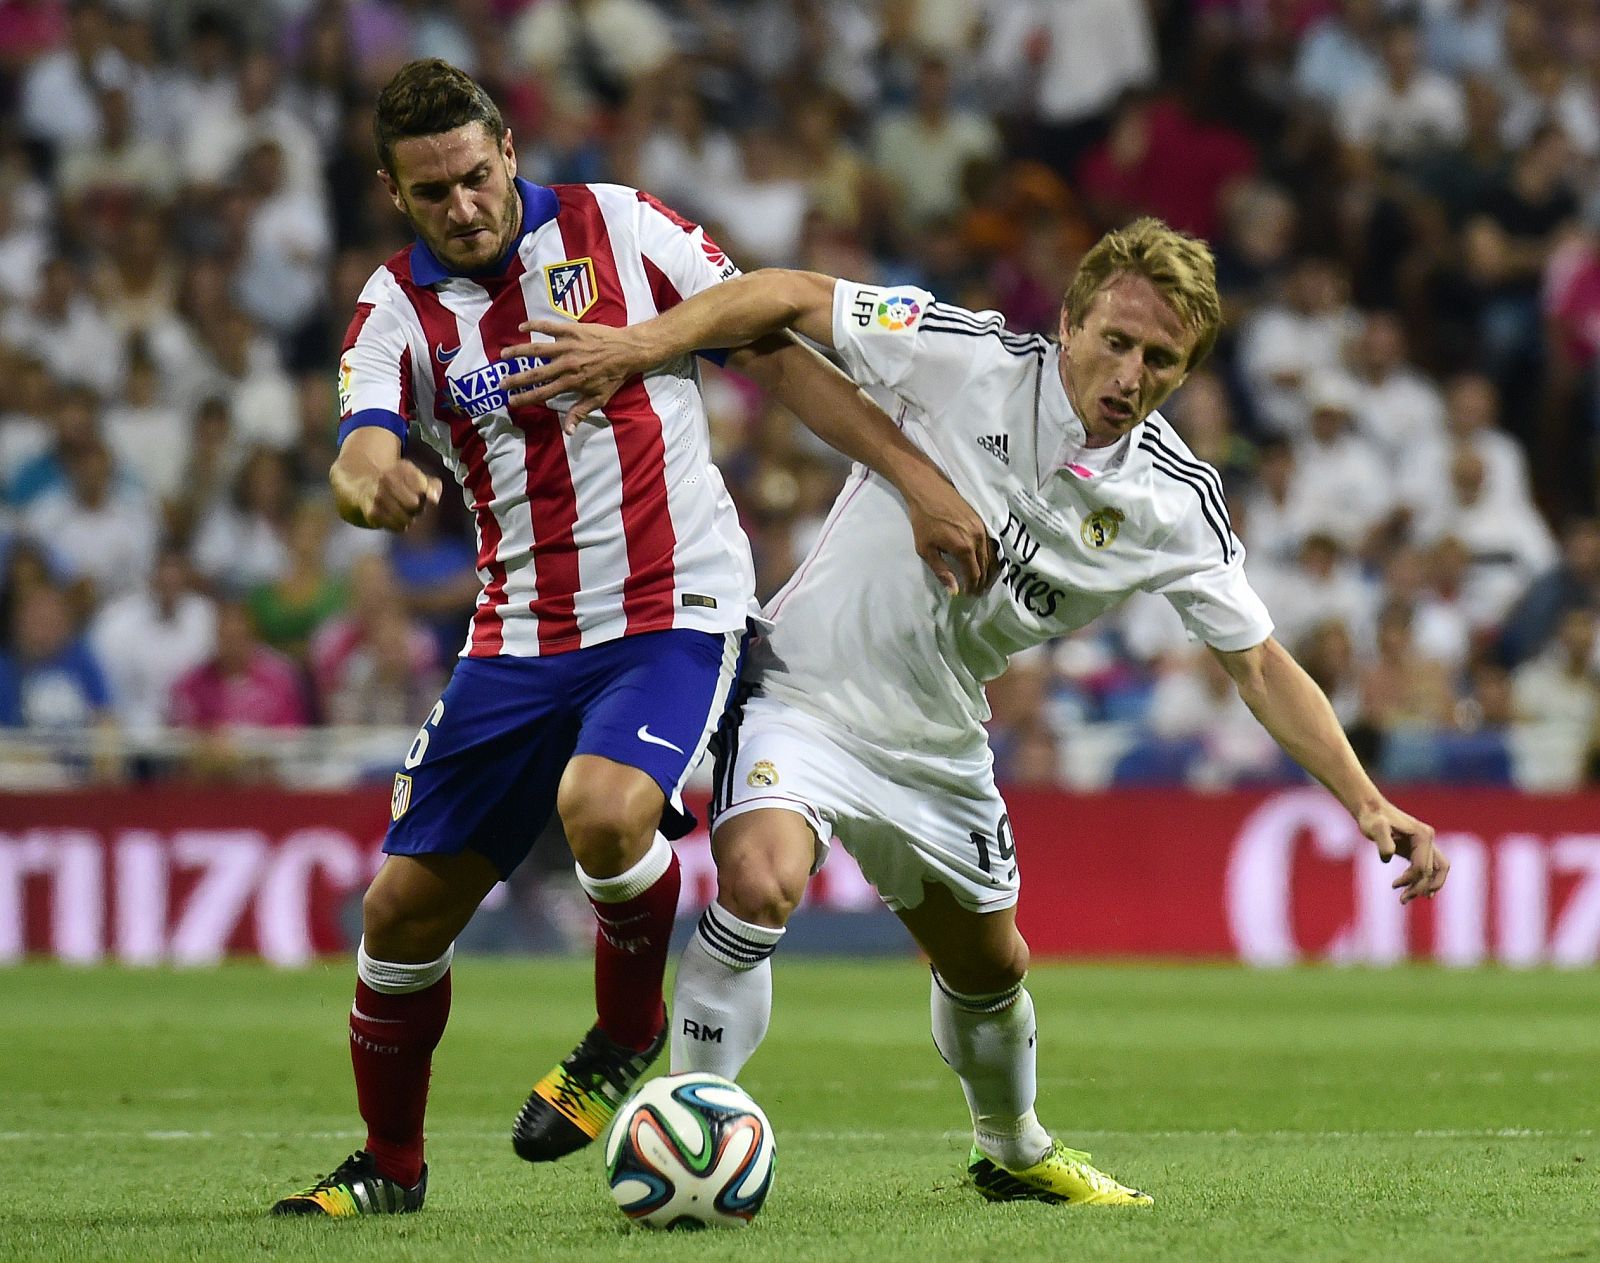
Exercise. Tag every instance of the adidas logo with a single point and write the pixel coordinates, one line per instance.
(998, 446)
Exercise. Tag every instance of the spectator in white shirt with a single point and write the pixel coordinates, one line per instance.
(593, 49)
(65, 329)
(1548, 92)
(1508, 542)
(214, 143)
(149, 638)
(100, 180)
(24, 247)
(1472, 419)
(1557, 699)
(1071, 59)
(97, 530)
(1284, 344)
(1343, 484)
(1339, 55)
(1464, 36)
(1324, 584)
(242, 543)
(58, 91)
(1407, 110)
(685, 156)
(925, 151)
(1400, 408)
(283, 275)
(148, 437)
(243, 366)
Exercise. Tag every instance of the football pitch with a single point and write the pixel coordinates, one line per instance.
(1303, 1115)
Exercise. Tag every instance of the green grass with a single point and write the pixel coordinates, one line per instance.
(1308, 1115)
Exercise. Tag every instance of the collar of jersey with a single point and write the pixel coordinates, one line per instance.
(1070, 429)
(539, 207)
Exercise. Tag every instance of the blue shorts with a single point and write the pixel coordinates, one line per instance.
(483, 771)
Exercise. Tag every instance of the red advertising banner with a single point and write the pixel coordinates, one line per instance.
(1281, 876)
(1270, 878)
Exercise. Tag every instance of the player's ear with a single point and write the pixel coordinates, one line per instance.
(392, 189)
(508, 151)
(1064, 326)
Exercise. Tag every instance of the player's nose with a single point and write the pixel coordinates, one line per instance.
(462, 210)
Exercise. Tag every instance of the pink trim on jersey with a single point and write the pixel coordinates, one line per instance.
(440, 329)
(647, 592)
(552, 498)
(816, 548)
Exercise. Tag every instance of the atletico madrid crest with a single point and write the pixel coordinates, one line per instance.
(400, 798)
(572, 286)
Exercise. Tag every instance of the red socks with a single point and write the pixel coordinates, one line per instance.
(392, 1038)
(635, 910)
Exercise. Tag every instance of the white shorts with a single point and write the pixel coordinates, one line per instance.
(930, 820)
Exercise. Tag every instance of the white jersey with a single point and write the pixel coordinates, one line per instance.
(620, 529)
(866, 639)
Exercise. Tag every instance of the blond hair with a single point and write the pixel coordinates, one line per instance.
(1181, 268)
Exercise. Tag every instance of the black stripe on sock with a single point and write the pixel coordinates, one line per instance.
(979, 1003)
(728, 943)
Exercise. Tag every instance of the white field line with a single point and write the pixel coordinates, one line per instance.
(1491, 1133)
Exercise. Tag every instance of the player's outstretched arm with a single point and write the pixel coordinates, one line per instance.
(374, 486)
(949, 535)
(1296, 712)
(591, 360)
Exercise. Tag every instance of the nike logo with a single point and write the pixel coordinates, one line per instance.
(382, 1021)
(618, 923)
(443, 356)
(644, 734)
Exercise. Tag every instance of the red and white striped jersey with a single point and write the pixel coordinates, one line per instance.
(623, 528)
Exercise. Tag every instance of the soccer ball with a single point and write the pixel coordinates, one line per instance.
(690, 1151)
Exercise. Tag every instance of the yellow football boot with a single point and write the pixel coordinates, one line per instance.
(1062, 1176)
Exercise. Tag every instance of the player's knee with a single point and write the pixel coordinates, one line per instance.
(993, 968)
(759, 894)
(758, 891)
(603, 842)
(608, 833)
(396, 927)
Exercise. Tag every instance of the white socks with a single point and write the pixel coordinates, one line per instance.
(651, 867)
(988, 1041)
(394, 978)
(722, 999)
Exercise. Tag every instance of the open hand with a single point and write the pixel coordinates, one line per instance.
(590, 361)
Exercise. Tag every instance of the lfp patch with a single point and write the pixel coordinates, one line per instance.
(897, 312)
(572, 286)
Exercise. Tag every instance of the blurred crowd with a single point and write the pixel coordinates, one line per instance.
(1404, 200)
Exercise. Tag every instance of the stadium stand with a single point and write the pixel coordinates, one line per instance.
(1403, 200)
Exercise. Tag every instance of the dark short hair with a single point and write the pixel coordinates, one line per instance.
(426, 98)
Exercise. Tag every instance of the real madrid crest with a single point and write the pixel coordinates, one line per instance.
(1100, 528)
(762, 775)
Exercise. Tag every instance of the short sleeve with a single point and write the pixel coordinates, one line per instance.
(900, 337)
(680, 259)
(375, 385)
(1206, 584)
